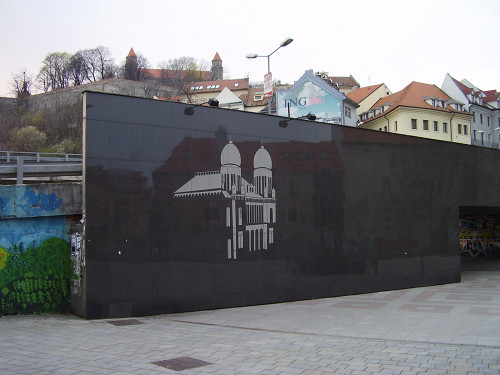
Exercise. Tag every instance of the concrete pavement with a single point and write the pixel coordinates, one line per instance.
(446, 329)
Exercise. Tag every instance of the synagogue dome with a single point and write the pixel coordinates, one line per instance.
(262, 159)
(230, 155)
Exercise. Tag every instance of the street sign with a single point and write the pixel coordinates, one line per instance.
(268, 85)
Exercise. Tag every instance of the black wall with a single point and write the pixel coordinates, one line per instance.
(353, 211)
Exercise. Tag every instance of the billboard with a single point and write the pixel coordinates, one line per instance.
(311, 95)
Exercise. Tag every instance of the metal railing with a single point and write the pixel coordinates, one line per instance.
(15, 165)
(11, 157)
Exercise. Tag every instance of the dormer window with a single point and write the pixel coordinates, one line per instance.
(433, 102)
(257, 97)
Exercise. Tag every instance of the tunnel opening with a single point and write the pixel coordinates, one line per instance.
(479, 232)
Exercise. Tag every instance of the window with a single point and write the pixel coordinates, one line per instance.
(459, 128)
(426, 124)
(436, 126)
(385, 128)
(271, 235)
(395, 126)
(240, 240)
(465, 129)
(236, 84)
(445, 127)
(488, 120)
(347, 112)
(481, 118)
(433, 101)
(257, 97)
(413, 123)
(474, 135)
(474, 116)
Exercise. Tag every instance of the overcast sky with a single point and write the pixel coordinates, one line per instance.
(392, 42)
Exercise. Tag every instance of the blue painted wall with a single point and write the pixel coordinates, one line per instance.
(35, 263)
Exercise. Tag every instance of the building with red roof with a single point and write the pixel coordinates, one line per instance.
(367, 96)
(484, 107)
(420, 110)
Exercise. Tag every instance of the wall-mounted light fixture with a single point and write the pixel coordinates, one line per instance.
(189, 111)
(283, 123)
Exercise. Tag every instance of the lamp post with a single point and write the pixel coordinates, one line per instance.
(284, 43)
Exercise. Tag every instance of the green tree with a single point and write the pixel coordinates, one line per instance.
(29, 139)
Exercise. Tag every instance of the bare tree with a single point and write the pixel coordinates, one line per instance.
(61, 69)
(98, 63)
(54, 73)
(91, 65)
(181, 72)
(77, 69)
(21, 88)
(105, 62)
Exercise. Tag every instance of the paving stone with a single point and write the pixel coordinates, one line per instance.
(276, 344)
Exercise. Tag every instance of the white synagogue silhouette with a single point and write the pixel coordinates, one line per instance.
(250, 211)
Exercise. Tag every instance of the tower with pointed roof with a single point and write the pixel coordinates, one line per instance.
(217, 69)
(131, 66)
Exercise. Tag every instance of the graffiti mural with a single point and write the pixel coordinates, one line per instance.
(250, 210)
(35, 264)
(78, 260)
(480, 236)
(35, 279)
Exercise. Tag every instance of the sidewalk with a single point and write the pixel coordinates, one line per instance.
(446, 329)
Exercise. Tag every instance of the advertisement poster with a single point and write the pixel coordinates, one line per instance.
(306, 97)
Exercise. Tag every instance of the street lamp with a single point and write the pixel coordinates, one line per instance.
(284, 43)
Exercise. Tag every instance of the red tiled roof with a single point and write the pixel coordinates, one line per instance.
(344, 81)
(216, 57)
(131, 53)
(413, 96)
(491, 98)
(466, 90)
(362, 93)
(160, 73)
(249, 98)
